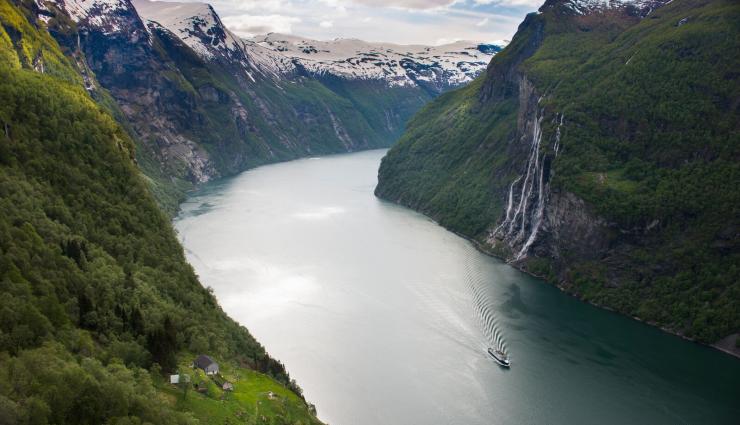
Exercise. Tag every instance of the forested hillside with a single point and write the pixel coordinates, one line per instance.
(599, 151)
(201, 103)
(98, 301)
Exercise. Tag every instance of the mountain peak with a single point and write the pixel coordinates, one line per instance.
(196, 24)
(279, 55)
(587, 7)
(398, 65)
(108, 16)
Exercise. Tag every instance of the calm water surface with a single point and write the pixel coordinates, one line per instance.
(384, 317)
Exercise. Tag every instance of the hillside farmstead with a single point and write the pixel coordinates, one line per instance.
(209, 366)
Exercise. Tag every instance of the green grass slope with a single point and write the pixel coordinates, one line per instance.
(98, 300)
(650, 140)
(255, 398)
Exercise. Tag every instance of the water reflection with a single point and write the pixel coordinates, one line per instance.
(383, 317)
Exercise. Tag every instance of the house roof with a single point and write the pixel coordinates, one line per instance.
(204, 361)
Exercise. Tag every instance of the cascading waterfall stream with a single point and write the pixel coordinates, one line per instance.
(522, 222)
(509, 205)
(556, 148)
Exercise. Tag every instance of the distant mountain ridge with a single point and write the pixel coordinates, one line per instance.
(282, 55)
(202, 102)
(436, 68)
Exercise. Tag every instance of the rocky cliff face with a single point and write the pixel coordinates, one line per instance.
(576, 158)
(203, 103)
(127, 60)
(538, 221)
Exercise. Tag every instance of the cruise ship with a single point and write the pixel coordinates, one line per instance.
(500, 357)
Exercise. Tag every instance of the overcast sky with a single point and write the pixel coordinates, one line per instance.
(398, 21)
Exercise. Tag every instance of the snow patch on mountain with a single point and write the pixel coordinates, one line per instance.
(280, 56)
(196, 24)
(643, 7)
(102, 14)
(399, 65)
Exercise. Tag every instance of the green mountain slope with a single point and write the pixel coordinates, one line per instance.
(98, 300)
(195, 117)
(601, 152)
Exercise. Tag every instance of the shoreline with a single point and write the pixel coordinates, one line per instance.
(482, 248)
(195, 187)
(722, 345)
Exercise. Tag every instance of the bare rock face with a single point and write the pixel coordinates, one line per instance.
(112, 42)
(203, 103)
(194, 157)
(537, 222)
(571, 232)
(503, 80)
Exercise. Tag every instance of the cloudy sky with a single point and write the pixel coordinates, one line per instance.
(398, 21)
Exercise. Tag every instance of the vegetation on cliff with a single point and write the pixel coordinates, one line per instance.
(98, 300)
(194, 118)
(649, 140)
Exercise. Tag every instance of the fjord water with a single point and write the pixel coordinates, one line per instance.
(383, 317)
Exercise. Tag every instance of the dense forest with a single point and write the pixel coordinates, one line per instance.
(98, 301)
(640, 146)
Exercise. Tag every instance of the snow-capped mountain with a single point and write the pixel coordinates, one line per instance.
(399, 65)
(279, 55)
(195, 24)
(110, 17)
(199, 27)
(203, 102)
(638, 7)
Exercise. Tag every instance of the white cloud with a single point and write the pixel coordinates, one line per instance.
(260, 6)
(407, 4)
(338, 6)
(248, 25)
(395, 21)
(530, 3)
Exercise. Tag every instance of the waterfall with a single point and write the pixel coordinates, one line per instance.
(527, 185)
(556, 148)
(509, 205)
(537, 217)
(524, 215)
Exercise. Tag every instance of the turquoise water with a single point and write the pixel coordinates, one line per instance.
(384, 317)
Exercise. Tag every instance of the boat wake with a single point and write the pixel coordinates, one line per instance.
(483, 304)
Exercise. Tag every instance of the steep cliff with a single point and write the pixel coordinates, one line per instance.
(202, 103)
(599, 151)
(98, 299)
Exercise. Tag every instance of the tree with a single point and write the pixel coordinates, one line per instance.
(184, 384)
